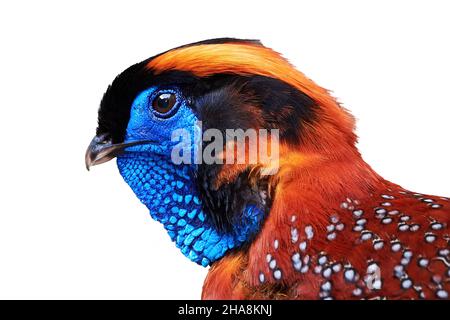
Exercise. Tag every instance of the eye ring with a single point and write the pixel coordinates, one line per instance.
(164, 103)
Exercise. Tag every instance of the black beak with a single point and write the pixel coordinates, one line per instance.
(101, 149)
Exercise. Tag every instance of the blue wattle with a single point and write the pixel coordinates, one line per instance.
(169, 193)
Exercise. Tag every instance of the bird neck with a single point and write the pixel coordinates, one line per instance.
(309, 190)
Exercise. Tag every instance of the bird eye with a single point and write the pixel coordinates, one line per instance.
(164, 102)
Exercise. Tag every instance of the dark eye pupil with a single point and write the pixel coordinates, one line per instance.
(164, 102)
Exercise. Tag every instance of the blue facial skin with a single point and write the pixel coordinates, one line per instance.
(167, 188)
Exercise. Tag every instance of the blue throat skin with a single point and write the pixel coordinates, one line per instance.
(168, 190)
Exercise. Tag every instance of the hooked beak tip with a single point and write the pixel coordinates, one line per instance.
(88, 165)
(98, 151)
(101, 149)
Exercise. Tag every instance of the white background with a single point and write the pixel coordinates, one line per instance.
(67, 233)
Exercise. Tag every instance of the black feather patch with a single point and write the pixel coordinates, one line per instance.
(284, 107)
(221, 41)
(232, 102)
(236, 102)
(225, 204)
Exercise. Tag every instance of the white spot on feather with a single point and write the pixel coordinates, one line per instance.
(294, 235)
(302, 246)
(261, 277)
(430, 237)
(358, 213)
(273, 264)
(277, 274)
(276, 244)
(331, 236)
(309, 232)
(442, 294)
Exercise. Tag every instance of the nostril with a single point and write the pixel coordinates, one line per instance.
(103, 139)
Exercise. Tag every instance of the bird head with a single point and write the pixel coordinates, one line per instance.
(155, 110)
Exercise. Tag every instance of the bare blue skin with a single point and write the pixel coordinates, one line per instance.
(168, 190)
